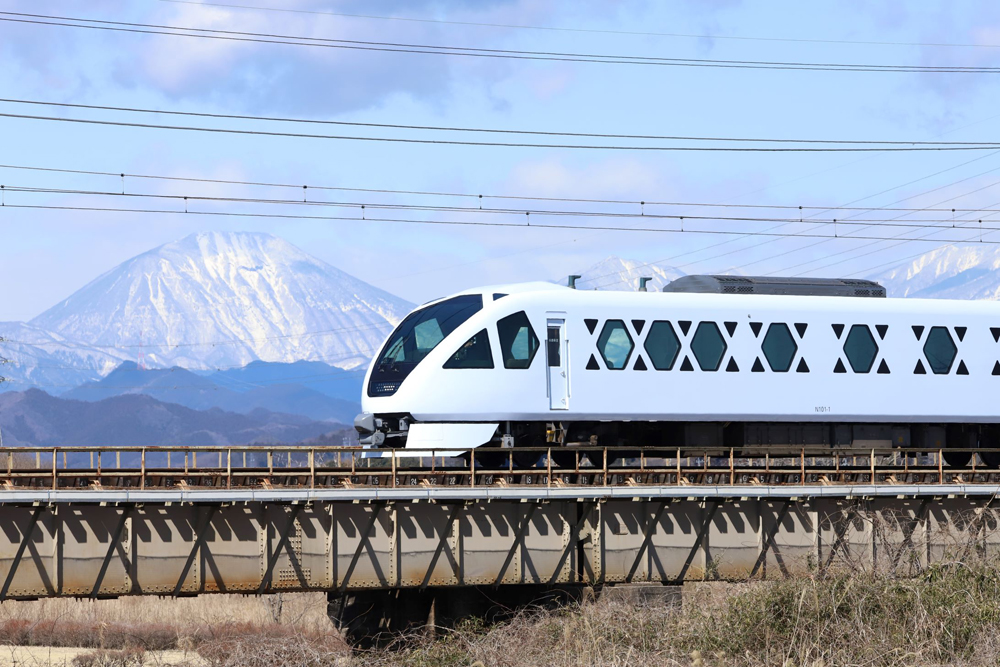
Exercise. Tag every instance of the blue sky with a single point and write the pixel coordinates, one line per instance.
(49, 254)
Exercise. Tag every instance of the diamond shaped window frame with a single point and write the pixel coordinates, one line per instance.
(935, 334)
(658, 329)
(778, 334)
(708, 327)
(858, 333)
(607, 331)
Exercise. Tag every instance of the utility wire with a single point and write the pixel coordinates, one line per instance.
(548, 133)
(785, 225)
(172, 346)
(865, 222)
(511, 54)
(446, 223)
(865, 245)
(500, 144)
(630, 202)
(603, 31)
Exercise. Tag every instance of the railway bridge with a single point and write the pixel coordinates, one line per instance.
(392, 540)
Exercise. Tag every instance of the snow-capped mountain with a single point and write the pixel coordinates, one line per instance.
(211, 300)
(953, 272)
(616, 273)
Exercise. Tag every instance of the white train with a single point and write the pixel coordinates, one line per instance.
(710, 361)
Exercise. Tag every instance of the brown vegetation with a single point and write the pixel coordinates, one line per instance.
(884, 614)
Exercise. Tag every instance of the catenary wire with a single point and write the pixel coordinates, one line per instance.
(630, 202)
(456, 223)
(501, 144)
(781, 226)
(365, 206)
(888, 207)
(602, 31)
(441, 128)
(856, 249)
(171, 346)
(447, 50)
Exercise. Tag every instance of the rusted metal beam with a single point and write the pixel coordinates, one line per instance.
(769, 544)
(113, 545)
(25, 538)
(195, 549)
(363, 544)
(574, 539)
(442, 541)
(647, 536)
(272, 557)
(700, 542)
(522, 530)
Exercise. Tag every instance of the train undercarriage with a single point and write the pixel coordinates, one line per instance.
(571, 444)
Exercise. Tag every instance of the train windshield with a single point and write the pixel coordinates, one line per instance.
(415, 337)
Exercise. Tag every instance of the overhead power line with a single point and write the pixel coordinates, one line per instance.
(447, 50)
(491, 130)
(455, 223)
(368, 205)
(511, 197)
(600, 31)
(499, 144)
(227, 341)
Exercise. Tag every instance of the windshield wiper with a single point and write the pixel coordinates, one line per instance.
(390, 358)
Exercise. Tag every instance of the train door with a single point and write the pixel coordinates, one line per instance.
(556, 358)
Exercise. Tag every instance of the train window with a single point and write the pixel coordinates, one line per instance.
(475, 353)
(860, 348)
(940, 350)
(615, 344)
(708, 346)
(427, 335)
(518, 342)
(779, 347)
(662, 345)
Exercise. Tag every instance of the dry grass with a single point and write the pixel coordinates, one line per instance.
(305, 611)
(948, 614)
(126, 627)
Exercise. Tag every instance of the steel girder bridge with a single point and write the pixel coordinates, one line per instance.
(392, 540)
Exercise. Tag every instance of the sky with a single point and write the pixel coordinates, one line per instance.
(49, 253)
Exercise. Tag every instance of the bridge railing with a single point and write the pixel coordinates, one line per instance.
(263, 466)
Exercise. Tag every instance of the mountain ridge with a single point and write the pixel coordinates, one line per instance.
(36, 418)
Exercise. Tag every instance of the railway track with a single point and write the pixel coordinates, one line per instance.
(282, 467)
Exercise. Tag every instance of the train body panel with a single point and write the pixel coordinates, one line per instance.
(620, 357)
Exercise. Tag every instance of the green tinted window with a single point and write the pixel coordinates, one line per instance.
(615, 344)
(860, 348)
(662, 345)
(475, 353)
(940, 350)
(518, 342)
(779, 347)
(708, 346)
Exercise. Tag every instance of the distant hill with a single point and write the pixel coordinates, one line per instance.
(35, 418)
(970, 271)
(324, 378)
(272, 387)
